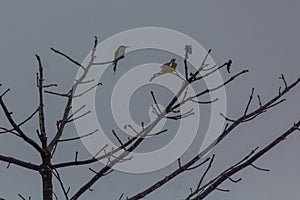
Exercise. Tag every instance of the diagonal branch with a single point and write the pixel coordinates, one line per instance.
(17, 128)
(209, 90)
(70, 94)
(246, 162)
(225, 132)
(59, 179)
(68, 57)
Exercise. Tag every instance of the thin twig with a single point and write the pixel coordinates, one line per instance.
(77, 138)
(259, 168)
(68, 57)
(249, 101)
(205, 172)
(119, 140)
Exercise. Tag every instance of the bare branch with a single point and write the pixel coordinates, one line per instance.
(74, 113)
(92, 170)
(258, 168)
(166, 179)
(194, 76)
(88, 81)
(21, 197)
(120, 198)
(17, 128)
(230, 120)
(179, 162)
(247, 161)
(225, 132)
(205, 102)
(83, 93)
(211, 72)
(204, 174)
(200, 164)
(62, 124)
(28, 118)
(95, 158)
(186, 72)
(207, 69)
(102, 149)
(259, 101)
(234, 181)
(275, 104)
(222, 190)
(158, 133)
(20, 163)
(104, 63)
(155, 102)
(284, 81)
(248, 104)
(4, 93)
(76, 156)
(210, 90)
(225, 83)
(129, 126)
(77, 138)
(40, 84)
(80, 116)
(181, 116)
(67, 109)
(119, 140)
(6, 130)
(68, 57)
(57, 176)
(50, 85)
(56, 93)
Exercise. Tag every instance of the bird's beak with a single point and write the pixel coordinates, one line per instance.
(127, 47)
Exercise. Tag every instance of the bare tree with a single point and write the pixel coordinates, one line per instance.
(46, 147)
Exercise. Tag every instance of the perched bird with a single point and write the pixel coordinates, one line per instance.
(229, 63)
(119, 54)
(169, 67)
(188, 51)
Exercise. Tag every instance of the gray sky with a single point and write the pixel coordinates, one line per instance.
(262, 36)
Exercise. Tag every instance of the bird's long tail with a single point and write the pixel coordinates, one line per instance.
(115, 67)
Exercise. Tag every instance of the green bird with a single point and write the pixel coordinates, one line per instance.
(119, 54)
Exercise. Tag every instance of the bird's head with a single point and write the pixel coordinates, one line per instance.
(123, 47)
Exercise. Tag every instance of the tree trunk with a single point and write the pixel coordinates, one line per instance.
(46, 173)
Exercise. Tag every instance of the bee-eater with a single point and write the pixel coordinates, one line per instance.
(119, 54)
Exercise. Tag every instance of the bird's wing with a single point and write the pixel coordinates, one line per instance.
(116, 54)
(166, 69)
(174, 65)
(165, 65)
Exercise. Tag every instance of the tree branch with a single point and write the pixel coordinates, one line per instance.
(17, 128)
(248, 161)
(20, 163)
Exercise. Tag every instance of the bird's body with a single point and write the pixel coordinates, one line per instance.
(229, 63)
(169, 67)
(119, 54)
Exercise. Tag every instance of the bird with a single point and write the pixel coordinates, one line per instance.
(119, 54)
(228, 64)
(188, 51)
(169, 67)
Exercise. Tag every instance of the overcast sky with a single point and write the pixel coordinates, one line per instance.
(262, 36)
